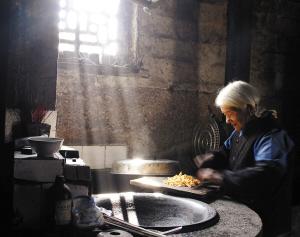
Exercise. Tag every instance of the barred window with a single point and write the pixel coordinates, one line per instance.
(89, 27)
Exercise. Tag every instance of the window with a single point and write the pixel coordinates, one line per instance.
(89, 27)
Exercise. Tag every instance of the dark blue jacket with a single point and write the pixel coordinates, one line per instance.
(263, 185)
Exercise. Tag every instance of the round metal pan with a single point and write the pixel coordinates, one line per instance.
(159, 211)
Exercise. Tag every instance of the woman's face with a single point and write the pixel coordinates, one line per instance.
(236, 117)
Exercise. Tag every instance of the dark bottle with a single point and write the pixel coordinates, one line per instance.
(60, 200)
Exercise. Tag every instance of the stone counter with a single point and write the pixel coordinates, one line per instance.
(235, 220)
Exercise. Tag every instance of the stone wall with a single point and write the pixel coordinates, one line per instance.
(275, 48)
(182, 44)
(212, 35)
(275, 66)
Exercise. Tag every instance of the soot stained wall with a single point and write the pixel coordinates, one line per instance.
(275, 65)
(32, 54)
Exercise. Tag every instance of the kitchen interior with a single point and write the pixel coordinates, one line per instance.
(138, 96)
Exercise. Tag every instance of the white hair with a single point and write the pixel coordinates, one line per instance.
(238, 94)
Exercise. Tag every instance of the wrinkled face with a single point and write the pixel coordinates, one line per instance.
(236, 117)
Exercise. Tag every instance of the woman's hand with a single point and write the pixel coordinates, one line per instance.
(210, 175)
(200, 159)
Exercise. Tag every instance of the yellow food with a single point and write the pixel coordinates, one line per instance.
(182, 180)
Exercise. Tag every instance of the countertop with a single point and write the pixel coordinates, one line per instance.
(235, 220)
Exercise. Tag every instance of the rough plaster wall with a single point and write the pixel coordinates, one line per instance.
(183, 48)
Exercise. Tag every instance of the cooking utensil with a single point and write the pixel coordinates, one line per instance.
(206, 184)
(157, 211)
(156, 184)
(88, 215)
(114, 221)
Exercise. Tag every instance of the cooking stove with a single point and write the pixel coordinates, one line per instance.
(33, 175)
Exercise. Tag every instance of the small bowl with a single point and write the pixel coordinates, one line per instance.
(45, 146)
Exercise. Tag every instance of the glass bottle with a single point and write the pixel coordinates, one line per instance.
(60, 198)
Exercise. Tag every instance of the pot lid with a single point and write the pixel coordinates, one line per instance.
(145, 167)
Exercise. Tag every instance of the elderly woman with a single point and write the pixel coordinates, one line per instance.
(253, 166)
